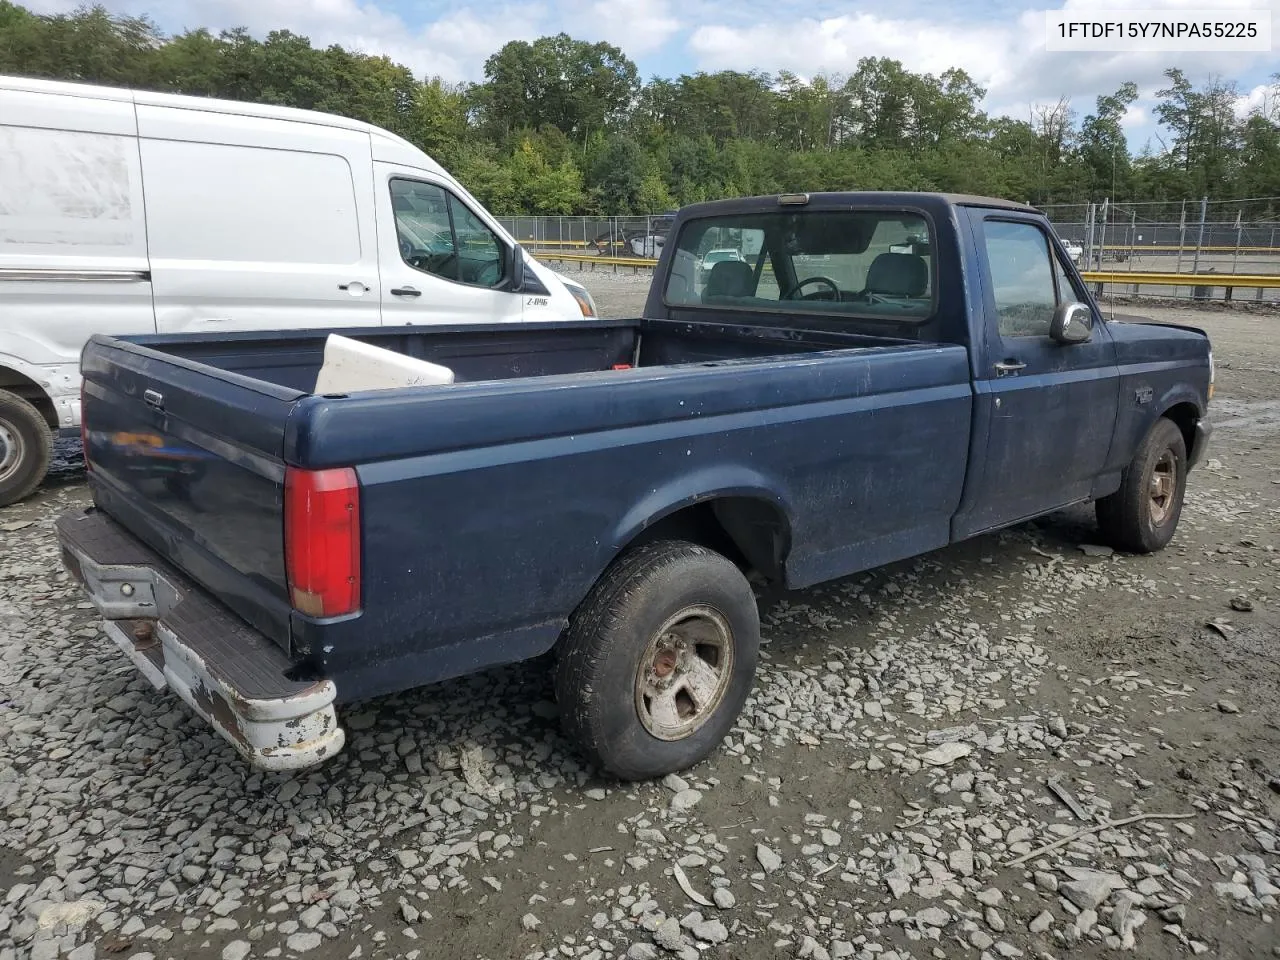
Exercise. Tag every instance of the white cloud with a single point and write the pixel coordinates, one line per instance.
(1263, 98)
(639, 27)
(1007, 56)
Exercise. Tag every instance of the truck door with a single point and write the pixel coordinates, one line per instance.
(1048, 409)
(440, 262)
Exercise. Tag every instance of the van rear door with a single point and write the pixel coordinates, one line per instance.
(256, 222)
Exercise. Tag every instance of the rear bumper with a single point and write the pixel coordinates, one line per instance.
(1204, 430)
(180, 637)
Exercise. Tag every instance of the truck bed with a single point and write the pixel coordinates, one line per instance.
(524, 476)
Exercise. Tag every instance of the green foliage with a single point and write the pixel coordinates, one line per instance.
(562, 126)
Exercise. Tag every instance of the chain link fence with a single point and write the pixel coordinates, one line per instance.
(1193, 236)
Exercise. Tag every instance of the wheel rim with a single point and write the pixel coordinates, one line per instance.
(1164, 484)
(684, 672)
(11, 449)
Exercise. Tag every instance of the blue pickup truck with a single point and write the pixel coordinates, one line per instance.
(876, 375)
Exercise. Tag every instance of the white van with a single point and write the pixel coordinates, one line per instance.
(126, 212)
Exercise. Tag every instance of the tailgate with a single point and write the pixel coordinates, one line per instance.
(188, 459)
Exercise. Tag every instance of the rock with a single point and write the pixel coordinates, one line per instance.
(596, 793)
(72, 915)
(810, 949)
(989, 897)
(1088, 889)
(710, 931)
(947, 753)
(409, 912)
(1095, 550)
(1086, 921)
(530, 922)
(674, 783)
(1041, 923)
(829, 838)
(933, 917)
(685, 800)
(961, 862)
(1228, 706)
(981, 940)
(1242, 604)
(994, 920)
(898, 885)
(874, 763)
(236, 950)
(767, 858)
(642, 951)
(724, 898)
(303, 942)
(1235, 891)
(86, 951)
(668, 935)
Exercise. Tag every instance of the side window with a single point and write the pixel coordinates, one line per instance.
(479, 251)
(1021, 277)
(439, 235)
(1067, 290)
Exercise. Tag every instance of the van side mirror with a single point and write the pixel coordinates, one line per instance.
(515, 268)
(1072, 323)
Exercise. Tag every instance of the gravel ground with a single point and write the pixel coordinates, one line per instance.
(889, 791)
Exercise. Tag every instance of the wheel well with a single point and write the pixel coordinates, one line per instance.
(26, 388)
(1185, 417)
(752, 532)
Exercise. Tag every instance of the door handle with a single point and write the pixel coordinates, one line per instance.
(1009, 366)
(406, 292)
(355, 288)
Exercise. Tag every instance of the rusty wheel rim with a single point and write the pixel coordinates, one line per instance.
(1164, 484)
(684, 672)
(11, 450)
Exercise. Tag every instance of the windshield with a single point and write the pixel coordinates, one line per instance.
(865, 263)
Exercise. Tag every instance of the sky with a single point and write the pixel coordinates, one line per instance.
(1000, 43)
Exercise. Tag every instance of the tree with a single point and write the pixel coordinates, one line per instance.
(1104, 149)
(577, 87)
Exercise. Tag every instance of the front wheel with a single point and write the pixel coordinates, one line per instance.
(26, 447)
(1142, 515)
(658, 660)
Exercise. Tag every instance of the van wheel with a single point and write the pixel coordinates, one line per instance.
(26, 446)
(658, 660)
(1142, 515)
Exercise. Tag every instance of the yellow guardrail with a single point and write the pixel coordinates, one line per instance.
(554, 243)
(603, 261)
(1146, 278)
(1138, 277)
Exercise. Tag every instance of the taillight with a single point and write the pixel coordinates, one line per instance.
(84, 432)
(322, 540)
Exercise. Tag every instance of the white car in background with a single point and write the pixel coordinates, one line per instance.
(1074, 251)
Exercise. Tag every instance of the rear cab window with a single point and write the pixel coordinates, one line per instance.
(875, 263)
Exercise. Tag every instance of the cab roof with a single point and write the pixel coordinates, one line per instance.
(852, 198)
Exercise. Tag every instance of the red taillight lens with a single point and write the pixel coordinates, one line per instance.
(322, 540)
(84, 432)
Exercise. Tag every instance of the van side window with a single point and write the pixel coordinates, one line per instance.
(437, 234)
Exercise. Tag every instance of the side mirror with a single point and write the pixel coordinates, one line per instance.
(1072, 323)
(515, 268)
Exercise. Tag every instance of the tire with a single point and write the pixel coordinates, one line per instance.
(658, 660)
(1134, 518)
(26, 447)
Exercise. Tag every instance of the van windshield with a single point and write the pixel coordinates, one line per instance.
(862, 263)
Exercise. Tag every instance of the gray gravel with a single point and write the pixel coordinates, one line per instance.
(891, 765)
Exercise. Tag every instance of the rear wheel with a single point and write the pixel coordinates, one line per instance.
(26, 446)
(1142, 515)
(658, 660)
